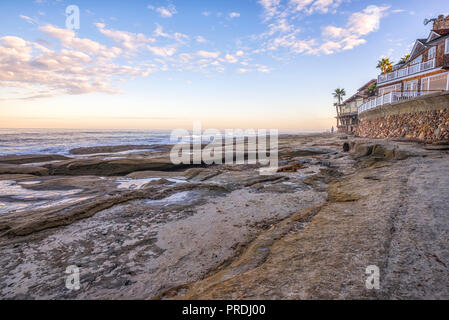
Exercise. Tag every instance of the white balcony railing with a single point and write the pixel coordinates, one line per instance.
(386, 99)
(391, 98)
(419, 67)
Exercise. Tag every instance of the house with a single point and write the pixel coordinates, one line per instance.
(347, 119)
(424, 72)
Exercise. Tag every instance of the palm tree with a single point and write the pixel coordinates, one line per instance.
(404, 58)
(338, 94)
(385, 65)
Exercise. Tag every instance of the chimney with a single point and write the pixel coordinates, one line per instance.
(441, 23)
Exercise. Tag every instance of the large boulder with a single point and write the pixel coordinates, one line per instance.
(362, 150)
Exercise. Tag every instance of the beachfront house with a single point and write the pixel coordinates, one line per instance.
(424, 72)
(347, 120)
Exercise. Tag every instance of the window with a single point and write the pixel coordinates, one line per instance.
(387, 90)
(417, 60)
(446, 50)
(434, 83)
(431, 53)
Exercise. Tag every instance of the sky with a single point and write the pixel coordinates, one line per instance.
(163, 64)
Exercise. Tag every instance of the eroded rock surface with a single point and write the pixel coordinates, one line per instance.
(139, 227)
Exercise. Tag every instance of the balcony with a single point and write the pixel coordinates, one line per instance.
(391, 98)
(416, 68)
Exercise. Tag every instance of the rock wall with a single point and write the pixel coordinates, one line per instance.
(425, 118)
(432, 125)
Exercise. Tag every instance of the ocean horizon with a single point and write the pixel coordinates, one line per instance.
(61, 141)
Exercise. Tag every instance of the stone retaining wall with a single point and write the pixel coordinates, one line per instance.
(425, 118)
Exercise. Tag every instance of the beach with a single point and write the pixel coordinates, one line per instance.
(139, 226)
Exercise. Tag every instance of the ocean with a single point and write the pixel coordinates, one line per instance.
(57, 141)
(61, 141)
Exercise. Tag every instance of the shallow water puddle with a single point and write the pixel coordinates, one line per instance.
(179, 197)
(135, 184)
(10, 188)
(21, 198)
(29, 182)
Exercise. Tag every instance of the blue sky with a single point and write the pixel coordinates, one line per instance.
(164, 64)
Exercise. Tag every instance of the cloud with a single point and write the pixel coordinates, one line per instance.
(208, 54)
(270, 8)
(164, 12)
(200, 39)
(263, 69)
(161, 51)
(206, 13)
(28, 19)
(179, 37)
(233, 15)
(242, 70)
(284, 33)
(127, 40)
(80, 66)
(281, 25)
(300, 5)
(359, 25)
(230, 58)
(311, 6)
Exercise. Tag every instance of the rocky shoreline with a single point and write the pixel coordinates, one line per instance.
(140, 227)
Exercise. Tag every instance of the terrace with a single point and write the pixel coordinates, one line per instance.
(404, 72)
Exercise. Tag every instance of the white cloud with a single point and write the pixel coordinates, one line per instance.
(270, 8)
(283, 32)
(280, 25)
(359, 24)
(242, 70)
(165, 12)
(200, 39)
(162, 51)
(239, 53)
(263, 69)
(300, 5)
(28, 19)
(80, 66)
(208, 54)
(230, 58)
(234, 15)
(127, 40)
(206, 13)
(179, 37)
(311, 6)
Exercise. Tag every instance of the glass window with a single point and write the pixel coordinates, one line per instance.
(387, 90)
(417, 60)
(432, 52)
(446, 50)
(434, 84)
(425, 84)
(438, 83)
